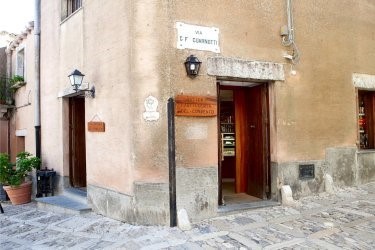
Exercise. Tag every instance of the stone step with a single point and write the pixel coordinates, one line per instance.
(77, 194)
(72, 201)
(232, 208)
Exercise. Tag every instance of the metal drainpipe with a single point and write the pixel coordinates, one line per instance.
(8, 75)
(289, 5)
(37, 79)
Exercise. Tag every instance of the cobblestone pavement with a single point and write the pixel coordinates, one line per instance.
(345, 220)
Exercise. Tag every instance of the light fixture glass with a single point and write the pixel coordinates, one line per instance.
(192, 65)
(76, 78)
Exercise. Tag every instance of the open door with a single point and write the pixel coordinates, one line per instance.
(77, 142)
(242, 139)
(259, 143)
(252, 143)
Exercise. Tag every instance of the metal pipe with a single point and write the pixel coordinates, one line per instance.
(172, 164)
(37, 79)
(289, 7)
(8, 75)
(289, 38)
(8, 137)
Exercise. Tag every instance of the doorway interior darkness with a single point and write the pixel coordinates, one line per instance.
(77, 142)
(244, 145)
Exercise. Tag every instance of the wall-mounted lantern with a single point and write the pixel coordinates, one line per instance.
(76, 78)
(192, 65)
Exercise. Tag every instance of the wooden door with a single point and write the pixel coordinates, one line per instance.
(369, 117)
(220, 155)
(259, 145)
(77, 142)
(242, 138)
(252, 151)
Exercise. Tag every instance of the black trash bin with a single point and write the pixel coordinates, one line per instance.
(45, 182)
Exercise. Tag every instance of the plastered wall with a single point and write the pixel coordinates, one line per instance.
(127, 49)
(89, 41)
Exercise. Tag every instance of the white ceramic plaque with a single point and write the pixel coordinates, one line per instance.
(197, 37)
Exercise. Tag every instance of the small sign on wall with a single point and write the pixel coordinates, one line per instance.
(195, 105)
(197, 37)
(96, 126)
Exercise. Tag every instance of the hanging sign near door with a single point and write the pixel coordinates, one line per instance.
(96, 126)
(195, 105)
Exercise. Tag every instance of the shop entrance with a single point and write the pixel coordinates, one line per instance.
(366, 119)
(244, 159)
(77, 142)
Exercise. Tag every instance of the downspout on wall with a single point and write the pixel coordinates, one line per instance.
(8, 75)
(287, 33)
(37, 80)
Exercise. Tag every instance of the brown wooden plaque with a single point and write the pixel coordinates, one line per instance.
(96, 126)
(195, 105)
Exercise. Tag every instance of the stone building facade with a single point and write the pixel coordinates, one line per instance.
(287, 97)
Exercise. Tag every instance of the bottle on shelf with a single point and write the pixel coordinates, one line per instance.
(363, 141)
(361, 108)
(362, 123)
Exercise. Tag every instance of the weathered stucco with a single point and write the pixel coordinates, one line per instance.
(365, 168)
(342, 162)
(148, 206)
(288, 174)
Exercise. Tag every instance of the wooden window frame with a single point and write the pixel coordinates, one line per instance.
(68, 7)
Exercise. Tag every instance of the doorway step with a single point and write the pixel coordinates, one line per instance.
(231, 208)
(71, 201)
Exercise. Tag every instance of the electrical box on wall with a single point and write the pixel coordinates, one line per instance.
(306, 171)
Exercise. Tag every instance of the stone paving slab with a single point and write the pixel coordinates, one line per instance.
(345, 220)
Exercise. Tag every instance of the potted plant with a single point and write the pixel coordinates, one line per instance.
(16, 82)
(13, 176)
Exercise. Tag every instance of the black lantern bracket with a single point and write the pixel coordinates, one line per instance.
(192, 66)
(86, 90)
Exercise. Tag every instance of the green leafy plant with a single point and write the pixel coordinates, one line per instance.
(13, 174)
(16, 78)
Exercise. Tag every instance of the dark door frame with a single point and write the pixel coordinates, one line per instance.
(266, 139)
(77, 142)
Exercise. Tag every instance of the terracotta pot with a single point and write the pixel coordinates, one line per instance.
(19, 195)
